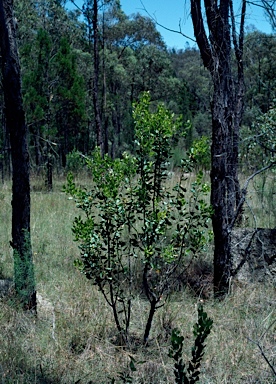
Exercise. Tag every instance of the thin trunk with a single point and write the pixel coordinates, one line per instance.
(38, 154)
(152, 298)
(49, 178)
(99, 129)
(105, 116)
(16, 125)
(149, 321)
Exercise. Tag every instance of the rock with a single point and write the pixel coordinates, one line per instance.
(43, 304)
(6, 286)
(254, 254)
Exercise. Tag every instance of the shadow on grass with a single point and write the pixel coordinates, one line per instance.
(23, 375)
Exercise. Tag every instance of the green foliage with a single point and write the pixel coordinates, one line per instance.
(71, 87)
(266, 133)
(260, 67)
(259, 147)
(193, 92)
(189, 374)
(53, 89)
(183, 375)
(109, 217)
(75, 163)
(34, 80)
(70, 112)
(171, 222)
(133, 219)
(56, 58)
(201, 151)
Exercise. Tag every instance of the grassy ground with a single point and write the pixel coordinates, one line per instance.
(73, 338)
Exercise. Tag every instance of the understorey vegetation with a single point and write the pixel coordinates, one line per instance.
(138, 232)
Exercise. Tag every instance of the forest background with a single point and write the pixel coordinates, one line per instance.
(56, 52)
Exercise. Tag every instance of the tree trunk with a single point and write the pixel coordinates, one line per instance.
(16, 125)
(49, 167)
(227, 109)
(98, 120)
(38, 155)
(153, 305)
(222, 192)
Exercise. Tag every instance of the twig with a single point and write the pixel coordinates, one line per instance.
(244, 254)
(244, 192)
(166, 28)
(263, 355)
(252, 212)
(54, 325)
(77, 6)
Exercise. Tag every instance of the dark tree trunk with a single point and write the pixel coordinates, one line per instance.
(227, 109)
(98, 120)
(38, 154)
(16, 125)
(153, 307)
(6, 155)
(49, 177)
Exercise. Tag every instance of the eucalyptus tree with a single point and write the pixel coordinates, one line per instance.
(155, 74)
(188, 67)
(133, 59)
(193, 96)
(136, 60)
(259, 70)
(90, 10)
(216, 36)
(69, 102)
(53, 90)
(94, 13)
(36, 91)
(17, 128)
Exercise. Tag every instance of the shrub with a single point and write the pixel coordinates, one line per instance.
(133, 219)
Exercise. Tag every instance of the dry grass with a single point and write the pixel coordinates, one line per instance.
(73, 339)
(260, 208)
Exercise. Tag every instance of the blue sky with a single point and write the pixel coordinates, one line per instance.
(172, 12)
